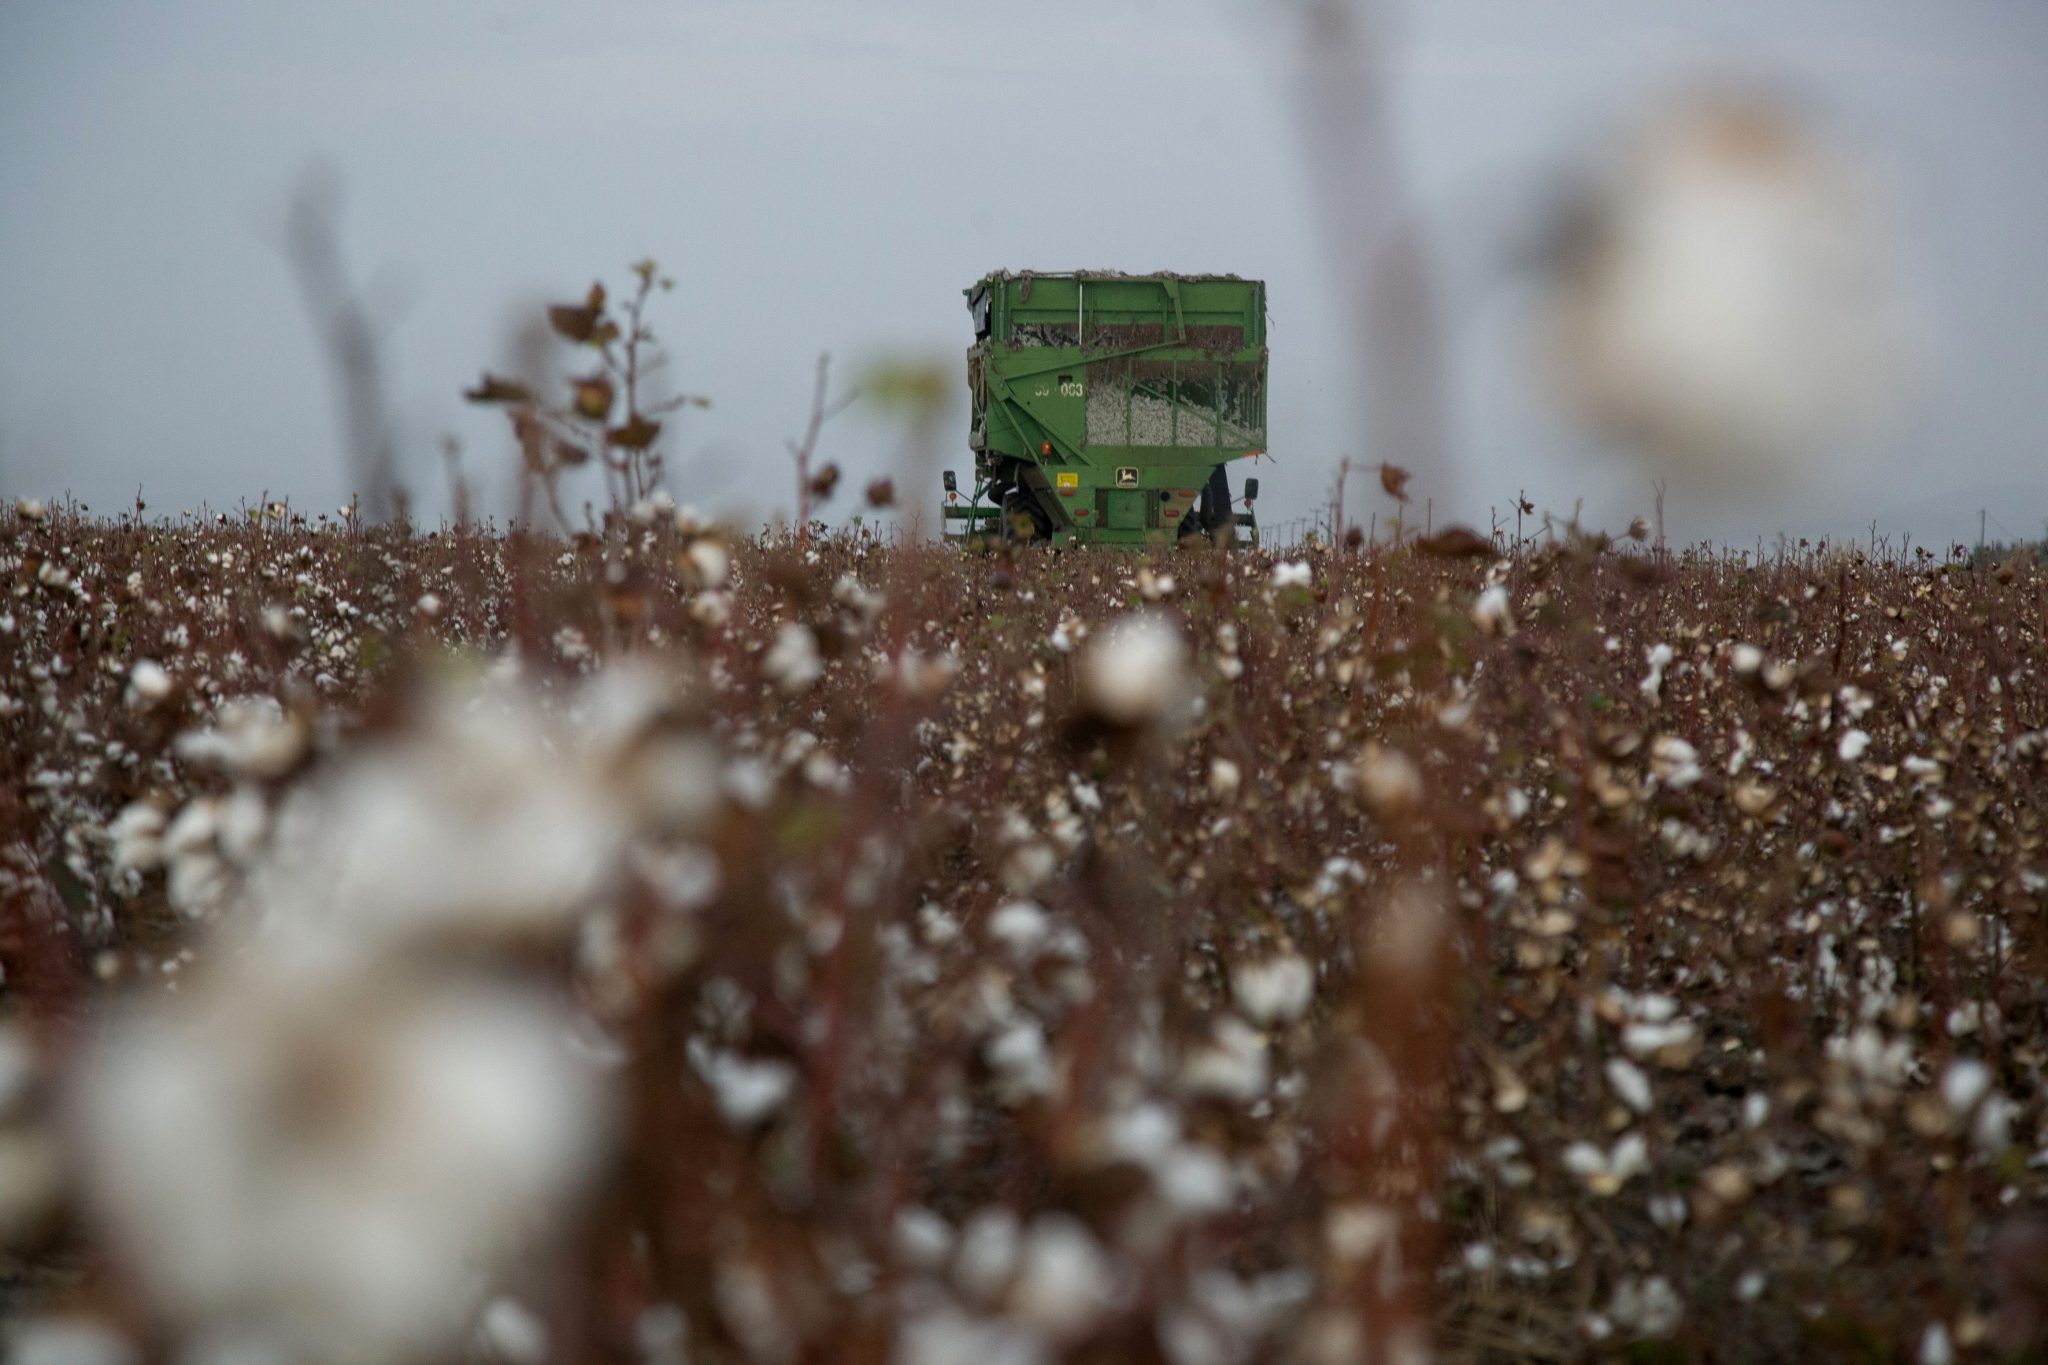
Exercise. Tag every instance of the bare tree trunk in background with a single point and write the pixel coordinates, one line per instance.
(350, 340)
(1377, 255)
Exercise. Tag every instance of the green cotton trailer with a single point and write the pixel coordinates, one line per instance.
(1105, 407)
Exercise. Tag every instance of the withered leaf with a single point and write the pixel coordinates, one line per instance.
(493, 389)
(572, 322)
(636, 433)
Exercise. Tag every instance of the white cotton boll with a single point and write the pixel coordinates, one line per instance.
(328, 1160)
(1854, 744)
(1629, 1083)
(1020, 926)
(792, 661)
(194, 829)
(1745, 659)
(1194, 1180)
(1224, 777)
(137, 834)
(1065, 1281)
(1143, 1133)
(923, 1239)
(987, 1255)
(1491, 612)
(1674, 762)
(1606, 1172)
(711, 607)
(1654, 1007)
(611, 712)
(1965, 1082)
(1273, 989)
(1649, 1307)
(251, 737)
(1135, 672)
(1358, 1231)
(490, 817)
(848, 592)
(1646, 1039)
(1659, 658)
(244, 824)
(415, 849)
(1028, 865)
(747, 1090)
(1630, 1156)
(148, 683)
(1582, 1159)
(1724, 303)
(1668, 1211)
(1231, 1066)
(749, 781)
(1991, 1130)
(1935, 1346)
(1292, 574)
(199, 884)
(1388, 780)
(1021, 1062)
(710, 562)
(511, 1332)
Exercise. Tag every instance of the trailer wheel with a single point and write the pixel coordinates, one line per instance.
(1023, 519)
(1211, 514)
(1216, 502)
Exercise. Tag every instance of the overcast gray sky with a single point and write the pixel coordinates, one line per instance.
(827, 176)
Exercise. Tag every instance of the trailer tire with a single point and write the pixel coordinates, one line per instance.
(1211, 514)
(1022, 517)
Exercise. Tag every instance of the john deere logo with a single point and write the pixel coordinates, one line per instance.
(1126, 476)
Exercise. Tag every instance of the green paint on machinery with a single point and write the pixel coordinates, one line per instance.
(1106, 407)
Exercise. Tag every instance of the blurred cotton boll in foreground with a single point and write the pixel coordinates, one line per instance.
(1136, 671)
(326, 1170)
(493, 815)
(321, 1142)
(1722, 301)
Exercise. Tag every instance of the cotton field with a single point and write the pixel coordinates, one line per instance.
(675, 945)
